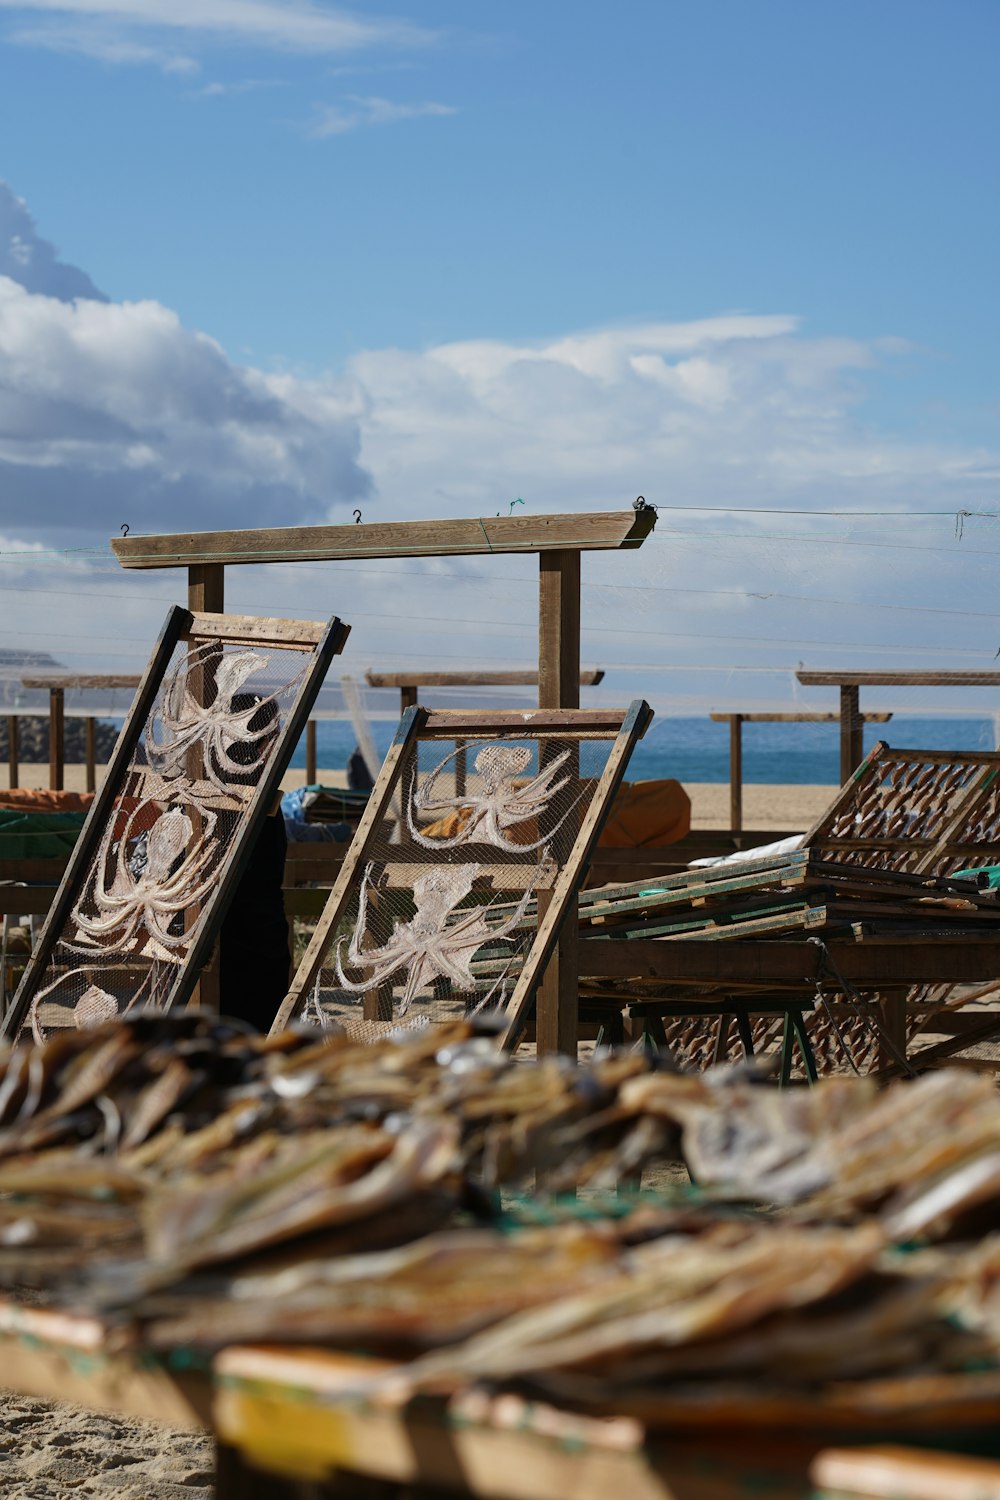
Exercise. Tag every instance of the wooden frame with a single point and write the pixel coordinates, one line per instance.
(623, 728)
(558, 539)
(319, 643)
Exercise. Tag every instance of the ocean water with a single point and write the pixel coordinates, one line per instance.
(698, 749)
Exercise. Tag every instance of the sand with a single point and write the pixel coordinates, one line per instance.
(50, 1451)
(788, 808)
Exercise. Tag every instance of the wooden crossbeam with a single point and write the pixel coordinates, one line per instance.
(735, 965)
(589, 678)
(470, 536)
(72, 681)
(960, 678)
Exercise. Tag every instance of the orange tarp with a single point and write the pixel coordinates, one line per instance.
(645, 814)
(38, 799)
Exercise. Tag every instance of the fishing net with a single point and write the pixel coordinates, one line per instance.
(205, 746)
(438, 913)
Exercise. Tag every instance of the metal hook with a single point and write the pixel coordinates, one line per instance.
(357, 517)
(123, 528)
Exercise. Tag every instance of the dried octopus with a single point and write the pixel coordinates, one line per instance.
(234, 742)
(435, 944)
(499, 805)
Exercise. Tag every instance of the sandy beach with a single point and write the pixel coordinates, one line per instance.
(788, 808)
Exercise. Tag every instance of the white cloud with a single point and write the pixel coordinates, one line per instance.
(335, 119)
(294, 26)
(115, 411)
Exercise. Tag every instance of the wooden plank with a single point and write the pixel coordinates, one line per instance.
(962, 678)
(804, 718)
(57, 739)
(311, 774)
(368, 828)
(251, 630)
(897, 1473)
(26, 900)
(589, 678)
(571, 876)
(13, 772)
(72, 681)
(564, 723)
(474, 536)
(43, 871)
(766, 963)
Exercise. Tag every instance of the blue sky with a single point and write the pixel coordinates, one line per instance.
(429, 258)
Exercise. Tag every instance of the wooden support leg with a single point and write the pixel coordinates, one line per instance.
(736, 773)
(57, 739)
(13, 748)
(557, 1004)
(311, 775)
(892, 1008)
(722, 1040)
(746, 1032)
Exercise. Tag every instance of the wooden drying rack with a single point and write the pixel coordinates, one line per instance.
(557, 539)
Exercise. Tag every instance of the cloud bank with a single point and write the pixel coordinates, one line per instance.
(114, 412)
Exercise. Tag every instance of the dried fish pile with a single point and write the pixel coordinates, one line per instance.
(186, 1142)
(198, 1186)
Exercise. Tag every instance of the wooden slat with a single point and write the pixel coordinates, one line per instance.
(763, 962)
(13, 773)
(206, 588)
(897, 1473)
(790, 718)
(580, 723)
(71, 681)
(251, 630)
(589, 678)
(585, 531)
(963, 678)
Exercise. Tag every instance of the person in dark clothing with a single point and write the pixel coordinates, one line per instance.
(254, 956)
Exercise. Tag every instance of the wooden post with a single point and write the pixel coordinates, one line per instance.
(557, 1002)
(407, 698)
(736, 773)
(206, 588)
(851, 732)
(311, 775)
(12, 751)
(206, 595)
(90, 752)
(461, 776)
(57, 739)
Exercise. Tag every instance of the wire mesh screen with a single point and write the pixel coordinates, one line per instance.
(201, 755)
(915, 811)
(443, 908)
